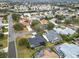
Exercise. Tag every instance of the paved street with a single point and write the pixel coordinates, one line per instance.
(12, 51)
(12, 38)
(11, 47)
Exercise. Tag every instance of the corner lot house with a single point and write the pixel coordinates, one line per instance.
(52, 36)
(68, 50)
(36, 41)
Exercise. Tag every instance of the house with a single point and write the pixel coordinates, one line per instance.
(36, 41)
(52, 36)
(24, 21)
(43, 21)
(53, 21)
(68, 50)
(65, 31)
(46, 53)
(20, 8)
(4, 5)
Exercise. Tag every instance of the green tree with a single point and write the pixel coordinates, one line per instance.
(24, 42)
(75, 35)
(48, 18)
(40, 32)
(3, 54)
(5, 17)
(75, 21)
(50, 26)
(1, 36)
(18, 27)
(1, 45)
(4, 29)
(37, 27)
(67, 21)
(65, 37)
(60, 17)
(68, 38)
(35, 22)
(15, 17)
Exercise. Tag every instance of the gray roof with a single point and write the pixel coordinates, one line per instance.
(40, 53)
(36, 41)
(52, 36)
(68, 50)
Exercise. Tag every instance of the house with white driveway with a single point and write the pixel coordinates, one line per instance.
(52, 36)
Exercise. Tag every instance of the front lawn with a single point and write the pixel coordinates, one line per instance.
(3, 42)
(23, 51)
(48, 45)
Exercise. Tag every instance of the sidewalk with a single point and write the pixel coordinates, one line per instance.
(4, 49)
(29, 28)
(6, 33)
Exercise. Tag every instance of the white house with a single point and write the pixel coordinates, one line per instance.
(65, 31)
(68, 50)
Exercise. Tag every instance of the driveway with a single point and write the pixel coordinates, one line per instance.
(23, 33)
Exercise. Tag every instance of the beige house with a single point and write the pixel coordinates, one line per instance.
(24, 21)
(43, 21)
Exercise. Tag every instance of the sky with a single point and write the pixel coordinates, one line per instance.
(44, 0)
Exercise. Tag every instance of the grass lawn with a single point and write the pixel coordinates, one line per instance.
(4, 42)
(6, 30)
(24, 30)
(48, 45)
(24, 52)
(27, 36)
